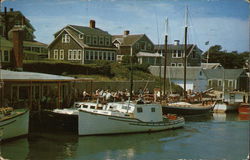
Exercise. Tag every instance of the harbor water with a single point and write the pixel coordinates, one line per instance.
(215, 137)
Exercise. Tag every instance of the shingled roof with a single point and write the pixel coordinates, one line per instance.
(172, 47)
(127, 40)
(223, 73)
(89, 30)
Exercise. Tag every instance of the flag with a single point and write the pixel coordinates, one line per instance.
(207, 42)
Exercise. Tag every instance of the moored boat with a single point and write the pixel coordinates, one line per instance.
(134, 118)
(14, 123)
(244, 108)
(67, 118)
(184, 108)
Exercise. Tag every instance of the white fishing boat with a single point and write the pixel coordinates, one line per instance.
(230, 102)
(13, 123)
(67, 118)
(126, 117)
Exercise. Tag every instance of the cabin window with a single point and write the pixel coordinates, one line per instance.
(139, 110)
(84, 106)
(80, 36)
(55, 54)
(61, 57)
(92, 107)
(65, 38)
(152, 109)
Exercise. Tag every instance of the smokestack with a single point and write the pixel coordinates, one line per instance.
(126, 32)
(18, 48)
(92, 23)
(11, 9)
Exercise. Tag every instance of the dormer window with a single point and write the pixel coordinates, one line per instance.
(65, 38)
(94, 40)
(80, 36)
(101, 41)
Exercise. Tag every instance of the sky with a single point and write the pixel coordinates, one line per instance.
(221, 22)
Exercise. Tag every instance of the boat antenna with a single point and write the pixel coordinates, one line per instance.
(185, 53)
(165, 55)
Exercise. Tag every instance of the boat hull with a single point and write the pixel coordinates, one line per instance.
(224, 107)
(98, 124)
(244, 109)
(59, 121)
(184, 111)
(15, 125)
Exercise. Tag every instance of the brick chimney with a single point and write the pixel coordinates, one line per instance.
(92, 23)
(126, 32)
(17, 40)
(11, 9)
(6, 23)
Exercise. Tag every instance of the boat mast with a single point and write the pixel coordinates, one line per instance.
(165, 57)
(131, 74)
(185, 53)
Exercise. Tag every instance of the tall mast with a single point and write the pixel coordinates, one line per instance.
(131, 74)
(165, 59)
(185, 53)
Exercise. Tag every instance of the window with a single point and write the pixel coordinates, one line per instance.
(55, 54)
(70, 55)
(6, 56)
(230, 83)
(79, 56)
(104, 55)
(96, 55)
(65, 38)
(179, 64)
(109, 56)
(107, 41)
(92, 107)
(101, 40)
(95, 40)
(87, 55)
(88, 39)
(91, 55)
(174, 54)
(173, 64)
(137, 45)
(210, 83)
(75, 54)
(152, 109)
(61, 57)
(80, 36)
(193, 54)
(143, 45)
(100, 55)
(219, 82)
(112, 56)
(179, 54)
(84, 106)
(139, 110)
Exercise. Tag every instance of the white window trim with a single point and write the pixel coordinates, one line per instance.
(61, 55)
(80, 36)
(179, 64)
(232, 84)
(65, 38)
(55, 53)
(173, 64)
(79, 55)
(69, 54)
(3, 55)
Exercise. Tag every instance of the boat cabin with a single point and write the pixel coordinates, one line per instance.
(235, 97)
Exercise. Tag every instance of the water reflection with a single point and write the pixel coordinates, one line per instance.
(198, 133)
